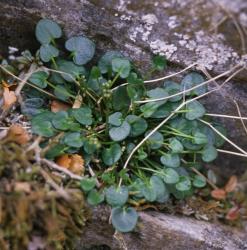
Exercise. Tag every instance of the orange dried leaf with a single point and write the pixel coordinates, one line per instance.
(218, 194)
(77, 164)
(57, 106)
(63, 161)
(233, 213)
(9, 98)
(231, 184)
(74, 163)
(18, 134)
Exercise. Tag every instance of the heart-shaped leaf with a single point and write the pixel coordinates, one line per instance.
(112, 154)
(149, 109)
(71, 70)
(156, 140)
(170, 160)
(159, 62)
(117, 196)
(61, 120)
(105, 62)
(47, 52)
(83, 115)
(88, 184)
(200, 138)
(191, 80)
(158, 93)
(121, 66)
(115, 119)
(73, 139)
(121, 132)
(170, 176)
(138, 125)
(209, 153)
(199, 181)
(162, 194)
(83, 49)
(47, 30)
(173, 88)
(120, 99)
(94, 198)
(175, 145)
(184, 183)
(124, 219)
(39, 79)
(195, 110)
(61, 92)
(41, 124)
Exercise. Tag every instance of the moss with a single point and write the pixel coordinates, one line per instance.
(30, 209)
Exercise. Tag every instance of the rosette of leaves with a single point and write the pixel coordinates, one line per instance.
(111, 122)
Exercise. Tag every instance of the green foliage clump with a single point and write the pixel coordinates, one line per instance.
(113, 119)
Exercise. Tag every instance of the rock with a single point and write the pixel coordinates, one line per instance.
(211, 33)
(162, 232)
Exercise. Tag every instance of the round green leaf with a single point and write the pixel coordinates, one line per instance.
(170, 160)
(156, 140)
(83, 115)
(170, 176)
(117, 196)
(164, 110)
(162, 194)
(47, 30)
(149, 109)
(121, 66)
(138, 125)
(61, 120)
(94, 198)
(83, 49)
(175, 145)
(61, 92)
(39, 79)
(115, 119)
(148, 192)
(191, 80)
(158, 93)
(200, 138)
(41, 124)
(124, 219)
(112, 154)
(195, 110)
(89, 147)
(120, 99)
(73, 139)
(72, 71)
(47, 52)
(121, 132)
(172, 88)
(159, 62)
(105, 62)
(209, 153)
(88, 184)
(184, 183)
(199, 181)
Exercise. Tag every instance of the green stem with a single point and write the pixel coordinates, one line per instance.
(54, 63)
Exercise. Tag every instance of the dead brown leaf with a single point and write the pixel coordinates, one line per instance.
(18, 134)
(218, 194)
(231, 184)
(9, 98)
(57, 106)
(74, 163)
(22, 187)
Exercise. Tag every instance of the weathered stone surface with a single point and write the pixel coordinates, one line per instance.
(186, 31)
(163, 232)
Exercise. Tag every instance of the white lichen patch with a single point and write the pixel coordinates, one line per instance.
(163, 48)
(173, 22)
(143, 30)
